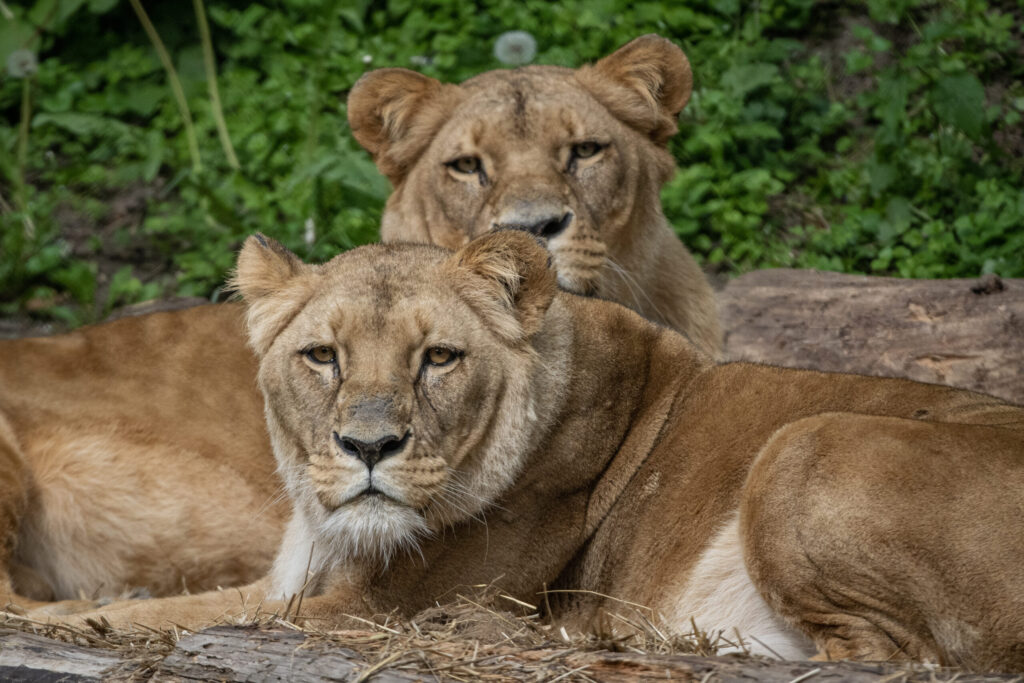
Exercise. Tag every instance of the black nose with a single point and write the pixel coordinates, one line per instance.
(549, 226)
(371, 452)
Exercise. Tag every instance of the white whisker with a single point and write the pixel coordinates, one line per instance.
(633, 286)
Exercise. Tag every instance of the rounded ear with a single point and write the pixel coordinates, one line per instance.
(394, 113)
(506, 276)
(271, 281)
(645, 83)
(264, 267)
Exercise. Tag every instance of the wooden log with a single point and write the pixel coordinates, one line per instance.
(964, 333)
(28, 657)
(228, 653)
(614, 667)
(234, 653)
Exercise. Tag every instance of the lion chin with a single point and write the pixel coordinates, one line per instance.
(372, 528)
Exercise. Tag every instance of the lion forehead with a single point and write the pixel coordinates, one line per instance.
(525, 107)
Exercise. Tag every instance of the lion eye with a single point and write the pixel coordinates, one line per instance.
(439, 356)
(321, 354)
(466, 165)
(585, 150)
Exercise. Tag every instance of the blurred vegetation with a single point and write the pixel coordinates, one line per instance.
(882, 137)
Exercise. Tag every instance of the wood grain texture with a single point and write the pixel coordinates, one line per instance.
(251, 654)
(228, 653)
(964, 333)
(28, 657)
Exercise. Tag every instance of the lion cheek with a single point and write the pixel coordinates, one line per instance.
(580, 263)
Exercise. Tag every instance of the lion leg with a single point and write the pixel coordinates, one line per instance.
(888, 539)
(243, 604)
(15, 579)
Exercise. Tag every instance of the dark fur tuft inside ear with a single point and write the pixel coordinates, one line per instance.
(645, 83)
(507, 277)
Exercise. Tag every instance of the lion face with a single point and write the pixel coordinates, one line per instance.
(398, 384)
(563, 180)
(575, 157)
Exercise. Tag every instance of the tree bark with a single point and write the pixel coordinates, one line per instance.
(964, 333)
(228, 653)
(28, 657)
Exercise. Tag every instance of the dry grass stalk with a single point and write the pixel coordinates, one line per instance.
(481, 634)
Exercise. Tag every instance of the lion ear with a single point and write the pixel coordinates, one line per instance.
(645, 83)
(394, 113)
(506, 276)
(269, 279)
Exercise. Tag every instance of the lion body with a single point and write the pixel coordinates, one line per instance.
(75, 408)
(122, 440)
(857, 517)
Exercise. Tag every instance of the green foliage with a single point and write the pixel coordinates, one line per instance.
(880, 138)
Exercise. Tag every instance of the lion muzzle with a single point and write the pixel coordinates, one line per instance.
(370, 452)
(543, 218)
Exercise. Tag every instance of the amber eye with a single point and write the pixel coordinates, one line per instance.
(321, 354)
(585, 150)
(466, 165)
(439, 356)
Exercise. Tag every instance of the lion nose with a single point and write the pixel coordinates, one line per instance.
(371, 452)
(545, 226)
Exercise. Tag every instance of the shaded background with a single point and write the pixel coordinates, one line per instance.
(882, 137)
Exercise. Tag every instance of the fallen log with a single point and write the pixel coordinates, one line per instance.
(964, 333)
(29, 657)
(245, 653)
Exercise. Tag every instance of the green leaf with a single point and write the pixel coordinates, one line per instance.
(101, 6)
(50, 14)
(15, 35)
(881, 176)
(79, 279)
(744, 78)
(83, 125)
(959, 100)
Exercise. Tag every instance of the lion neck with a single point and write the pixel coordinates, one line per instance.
(618, 381)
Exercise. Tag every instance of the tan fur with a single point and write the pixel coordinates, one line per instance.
(876, 518)
(521, 125)
(103, 431)
(135, 456)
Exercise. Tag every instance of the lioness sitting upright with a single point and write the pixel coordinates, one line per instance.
(566, 441)
(576, 157)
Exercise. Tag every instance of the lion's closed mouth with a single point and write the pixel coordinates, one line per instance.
(372, 493)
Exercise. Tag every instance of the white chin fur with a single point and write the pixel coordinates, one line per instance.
(373, 529)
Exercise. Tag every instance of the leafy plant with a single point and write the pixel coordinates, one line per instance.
(877, 137)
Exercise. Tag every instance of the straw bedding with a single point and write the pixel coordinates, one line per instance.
(480, 635)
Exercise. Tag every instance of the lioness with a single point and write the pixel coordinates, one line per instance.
(588, 144)
(574, 156)
(444, 419)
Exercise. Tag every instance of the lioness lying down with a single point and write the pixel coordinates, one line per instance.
(576, 157)
(586, 146)
(444, 419)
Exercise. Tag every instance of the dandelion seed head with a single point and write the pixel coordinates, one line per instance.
(515, 48)
(22, 64)
(309, 232)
